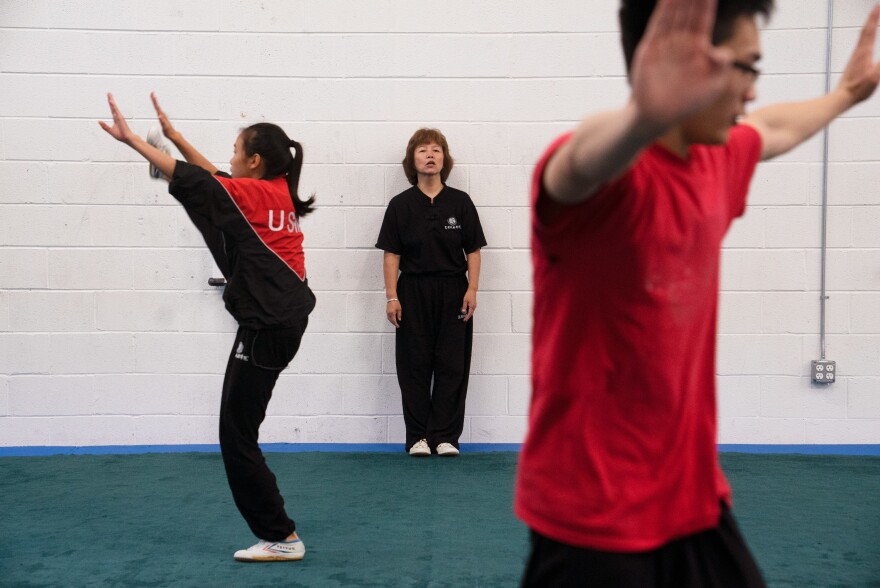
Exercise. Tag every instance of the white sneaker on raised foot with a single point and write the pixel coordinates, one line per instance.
(154, 138)
(447, 450)
(273, 551)
(420, 448)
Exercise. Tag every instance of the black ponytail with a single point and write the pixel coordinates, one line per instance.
(274, 146)
(302, 207)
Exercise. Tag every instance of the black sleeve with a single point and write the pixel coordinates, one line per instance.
(201, 193)
(473, 237)
(389, 235)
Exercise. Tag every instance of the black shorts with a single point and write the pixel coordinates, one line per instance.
(718, 557)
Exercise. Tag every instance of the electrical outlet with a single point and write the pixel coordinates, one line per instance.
(824, 371)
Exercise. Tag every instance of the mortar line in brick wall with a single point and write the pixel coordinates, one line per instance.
(43, 450)
(59, 248)
(113, 291)
(304, 121)
(111, 205)
(387, 164)
(133, 163)
(349, 33)
(355, 122)
(767, 249)
(389, 78)
(395, 78)
(327, 33)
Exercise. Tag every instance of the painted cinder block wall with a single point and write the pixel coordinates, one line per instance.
(110, 335)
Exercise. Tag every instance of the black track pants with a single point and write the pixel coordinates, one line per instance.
(257, 358)
(433, 342)
(717, 558)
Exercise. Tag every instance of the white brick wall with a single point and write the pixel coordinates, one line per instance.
(109, 333)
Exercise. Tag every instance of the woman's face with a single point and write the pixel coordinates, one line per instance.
(239, 163)
(428, 159)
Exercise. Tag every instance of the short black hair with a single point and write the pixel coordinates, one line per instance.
(635, 14)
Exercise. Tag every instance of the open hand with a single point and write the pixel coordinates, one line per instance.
(862, 73)
(676, 71)
(119, 130)
(167, 128)
(469, 304)
(394, 313)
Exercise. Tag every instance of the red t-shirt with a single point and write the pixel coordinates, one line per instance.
(621, 451)
(268, 209)
(251, 228)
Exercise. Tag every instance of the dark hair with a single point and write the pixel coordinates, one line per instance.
(635, 14)
(423, 137)
(273, 146)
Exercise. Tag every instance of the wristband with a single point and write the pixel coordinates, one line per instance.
(392, 300)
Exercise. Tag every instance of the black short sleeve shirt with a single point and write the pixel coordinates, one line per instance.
(432, 238)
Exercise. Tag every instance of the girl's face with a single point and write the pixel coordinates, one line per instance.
(428, 159)
(241, 166)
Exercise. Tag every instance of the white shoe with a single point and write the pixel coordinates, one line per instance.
(420, 448)
(447, 450)
(154, 138)
(273, 551)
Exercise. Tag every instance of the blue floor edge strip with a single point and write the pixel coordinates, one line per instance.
(802, 449)
(35, 451)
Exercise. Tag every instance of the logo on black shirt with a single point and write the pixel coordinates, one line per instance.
(452, 223)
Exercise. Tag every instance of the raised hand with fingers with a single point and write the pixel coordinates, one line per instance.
(190, 153)
(167, 128)
(676, 71)
(120, 130)
(862, 73)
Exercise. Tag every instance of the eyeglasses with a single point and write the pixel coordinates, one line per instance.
(747, 69)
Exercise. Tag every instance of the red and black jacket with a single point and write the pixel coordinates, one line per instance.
(253, 233)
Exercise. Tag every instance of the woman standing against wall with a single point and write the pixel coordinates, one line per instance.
(250, 222)
(432, 237)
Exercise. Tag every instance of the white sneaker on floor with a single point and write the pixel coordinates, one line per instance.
(420, 448)
(273, 551)
(447, 450)
(154, 138)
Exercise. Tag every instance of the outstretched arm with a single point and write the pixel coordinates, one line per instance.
(675, 73)
(785, 126)
(121, 132)
(190, 153)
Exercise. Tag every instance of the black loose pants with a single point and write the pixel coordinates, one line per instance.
(433, 343)
(716, 558)
(257, 358)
